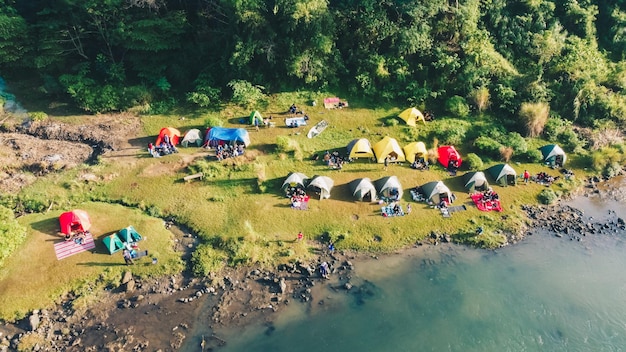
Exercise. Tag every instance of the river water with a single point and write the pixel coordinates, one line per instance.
(543, 294)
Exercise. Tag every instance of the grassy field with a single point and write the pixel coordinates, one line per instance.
(239, 209)
(33, 276)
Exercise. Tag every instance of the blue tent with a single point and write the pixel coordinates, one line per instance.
(227, 135)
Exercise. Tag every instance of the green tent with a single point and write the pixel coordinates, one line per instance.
(553, 155)
(256, 114)
(503, 174)
(475, 181)
(129, 235)
(113, 243)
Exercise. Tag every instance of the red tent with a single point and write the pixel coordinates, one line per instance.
(171, 132)
(75, 220)
(447, 153)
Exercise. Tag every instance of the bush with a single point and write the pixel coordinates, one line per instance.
(450, 131)
(532, 156)
(457, 106)
(285, 144)
(473, 162)
(205, 260)
(205, 94)
(534, 116)
(611, 170)
(547, 196)
(555, 126)
(38, 115)
(12, 234)
(515, 141)
(213, 121)
(488, 146)
(246, 94)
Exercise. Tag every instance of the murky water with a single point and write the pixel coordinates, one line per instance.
(544, 294)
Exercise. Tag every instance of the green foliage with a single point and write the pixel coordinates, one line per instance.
(515, 141)
(450, 131)
(285, 144)
(206, 260)
(488, 146)
(12, 234)
(608, 161)
(547, 196)
(38, 115)
(213, 121)
(163, 106)
(209, 169)
(205, 94)
(457, 106)
(473, 162)
(246, 94)
(532, 156)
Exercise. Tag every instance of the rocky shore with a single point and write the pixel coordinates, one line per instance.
(159, 314)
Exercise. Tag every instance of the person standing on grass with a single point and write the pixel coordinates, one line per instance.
(386, 163)
(300, 236)
(128, 257)
(526, 176)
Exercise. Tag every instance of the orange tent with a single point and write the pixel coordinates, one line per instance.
(171, 132)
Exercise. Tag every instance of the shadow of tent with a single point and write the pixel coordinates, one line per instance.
(456, 184)
(49, 226)
(250, 184)
(342, 193)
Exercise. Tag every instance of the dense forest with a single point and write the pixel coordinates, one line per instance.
(567, 56)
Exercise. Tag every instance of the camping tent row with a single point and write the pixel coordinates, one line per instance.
(115, 242)
(319, 184)
(502, 174)
(361, 148)
(214, 136)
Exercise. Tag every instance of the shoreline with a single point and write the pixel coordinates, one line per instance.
(159, 314)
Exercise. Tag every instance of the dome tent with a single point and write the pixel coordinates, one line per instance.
(553, 155)
(411, 116)
(360, 148)
(436, 190)
(256, 114)
(295, 179)
(389, 187)
(415, 149)
(321, 185)
(74, 221)
(475, 181)
(363, 188)
(172, 133)
(193, 136)
(503, 174)
(388, 147)
(448, 153)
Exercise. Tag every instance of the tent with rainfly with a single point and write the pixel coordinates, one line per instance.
(295, 179)
(360, 148)
(503, 174)
(553, 154)
(411, 116)
(415, 150)
(447, 153)
(363, 188)
(389, 187)
(113, 243)
(388, 147)
(475, 181)
(217, 135)
(129, 235)
(321, 185)
(171, 132)
(256, 114)
(75, 220)
(191, 138)
(436, 191)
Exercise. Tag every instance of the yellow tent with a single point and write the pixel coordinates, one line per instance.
(411, 116)
(388, 146)
(414, 149)
(360, 148)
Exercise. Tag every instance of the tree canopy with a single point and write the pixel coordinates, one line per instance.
(109, 55)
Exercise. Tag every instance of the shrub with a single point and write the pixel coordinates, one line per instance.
(392, 121)
(285, 144)
(38, 115)
(488, 146)
(162, 106)
(213, 121)
(534, 116)
(457, 106)
(12, 234)
(506, 153)
(555, 126)
(515, 141)
(205, 260)
(205, 94)
(569, 139)
(480, 97)
(547, 196)
(246, 94)
(611, 170)
(532, 156)
(450, 131)
(210, 170)
(473, 162)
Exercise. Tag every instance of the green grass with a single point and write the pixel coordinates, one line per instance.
(33, 277)
(230, 212)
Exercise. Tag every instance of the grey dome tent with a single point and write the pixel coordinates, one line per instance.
(389, 187)
(193, 136)
(321, 185)
(503, 174)
(295, 179)
(363, 188)
(553, 155)
(475, 181)
(435, 191)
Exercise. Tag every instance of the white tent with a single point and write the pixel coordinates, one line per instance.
(193, 136)
(321, 185)
(434, 190)
(295, 179)
(389, 187)
(362, 188)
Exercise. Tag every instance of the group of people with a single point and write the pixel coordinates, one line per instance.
(394, 209)
(166, 147)
(77, 236)
(298, 197)
(545, 179)
(334, 160)
(420, 164)
(228, 151)
(453, 166)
